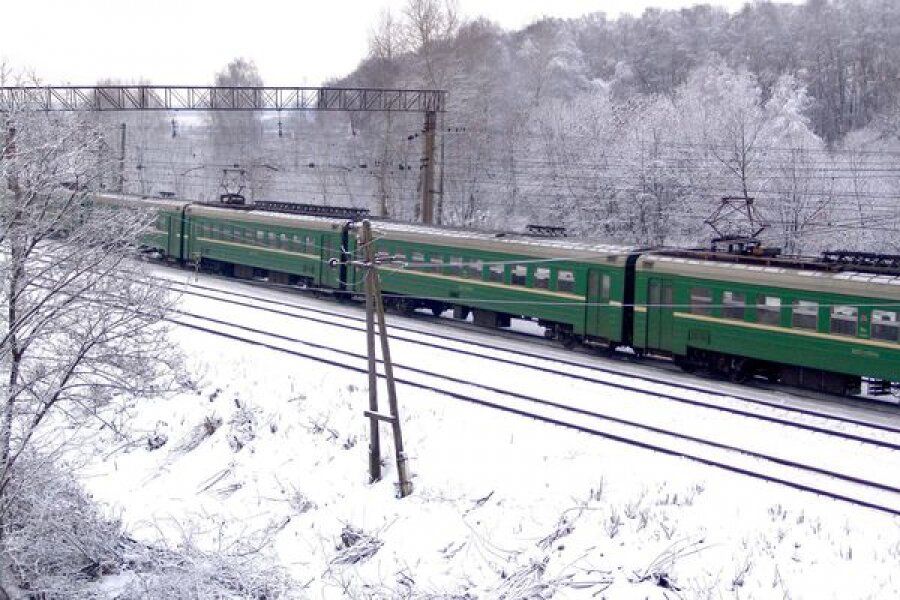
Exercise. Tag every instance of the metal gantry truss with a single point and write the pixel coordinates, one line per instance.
(167, 97)
(110, 98)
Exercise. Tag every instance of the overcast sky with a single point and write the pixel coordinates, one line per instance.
(294, 42)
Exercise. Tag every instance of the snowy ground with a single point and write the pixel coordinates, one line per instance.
(276, 448)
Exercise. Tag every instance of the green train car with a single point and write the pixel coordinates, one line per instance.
(577, 290)
(799, 321)
(802, 324)
(243, 243)
(285, 248)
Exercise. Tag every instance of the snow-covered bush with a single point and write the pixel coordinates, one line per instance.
(57, 544)
(55, 540)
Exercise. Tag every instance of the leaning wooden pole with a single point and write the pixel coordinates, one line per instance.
(405, 485)
(375, 308)
(374, 435)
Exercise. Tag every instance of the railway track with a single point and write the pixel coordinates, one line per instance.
(859, 491)
(576, 370)
(846, 485)
(586, 373)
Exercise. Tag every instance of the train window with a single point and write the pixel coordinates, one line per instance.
(844, 320)
(805, 315)
(768, 310)
(542, 278)
(296, 244)
(436, 264)
(886, 325)
(272, 240)
(456, 266)
(701, 301)
(417, 259)
(283, 241)
(565, 281)
(475, 269)
(495, 273)
(605, 286)
(733, 305)
(311, 245)
(519, 275)
(261, 238)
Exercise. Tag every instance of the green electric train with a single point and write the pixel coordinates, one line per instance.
(818, 324)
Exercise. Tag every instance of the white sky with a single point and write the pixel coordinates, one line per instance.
(293, 42)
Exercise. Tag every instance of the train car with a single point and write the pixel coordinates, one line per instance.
(287, 248)
(244, 242)
(167, 232)
(578, 290)
(800, 323)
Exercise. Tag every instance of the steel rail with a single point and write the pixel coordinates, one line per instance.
(569, 425)
(550, 370)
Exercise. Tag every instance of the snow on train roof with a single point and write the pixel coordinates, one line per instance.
(844, 276)
(503, 238)
(154, 201)
(267, 215)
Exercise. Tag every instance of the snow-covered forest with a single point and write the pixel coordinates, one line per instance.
(169, 434)
(629, 129)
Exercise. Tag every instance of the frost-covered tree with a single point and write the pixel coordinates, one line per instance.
(236, 137)
(81, 328)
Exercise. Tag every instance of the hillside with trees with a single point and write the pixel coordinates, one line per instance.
(630, 129)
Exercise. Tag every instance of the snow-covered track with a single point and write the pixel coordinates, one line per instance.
(668, 390)
(791, 473)
(589, 373)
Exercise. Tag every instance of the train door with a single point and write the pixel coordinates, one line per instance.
(173, 234)
(329, 249)
(660, 322)
(598, 315)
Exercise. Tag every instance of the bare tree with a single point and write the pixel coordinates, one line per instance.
(237, 139)
(428, 24)
(78, 334)
(385, 47)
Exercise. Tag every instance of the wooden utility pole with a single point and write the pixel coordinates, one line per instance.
(375, 307)
(374, 436)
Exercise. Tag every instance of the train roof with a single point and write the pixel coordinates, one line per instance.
(267, 217)
(846, 282)
(503, 242)
(144, 201)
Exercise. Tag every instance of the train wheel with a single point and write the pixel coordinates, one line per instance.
(685, 364)
(568, 340)
(737, 370)
(406, 307)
